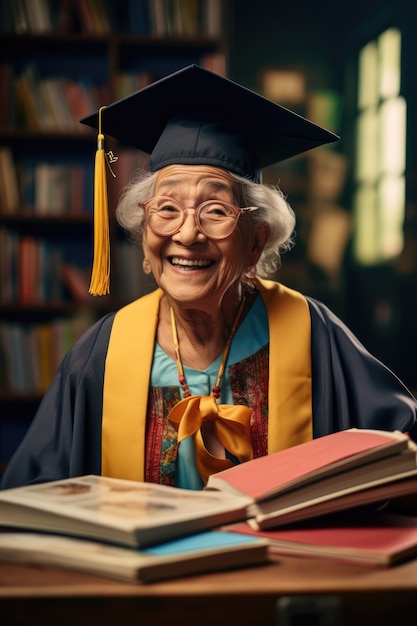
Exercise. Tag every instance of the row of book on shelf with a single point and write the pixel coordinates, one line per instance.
(38, 270)
(320, 499)
(34, 187)
(101, 17)
(60, 187)
(38, 99)
(31, 353)
(42, 270)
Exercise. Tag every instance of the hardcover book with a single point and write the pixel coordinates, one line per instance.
(371, 539)
(204, 552)
(342, 470)
(115, 510)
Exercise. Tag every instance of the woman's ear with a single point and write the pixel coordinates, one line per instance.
(259, 239)
(146, 266)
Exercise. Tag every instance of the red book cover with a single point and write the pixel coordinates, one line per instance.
(376, 539)
(28, 270)
(282, 471)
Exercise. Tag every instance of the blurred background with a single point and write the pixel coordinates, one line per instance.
(346, 66)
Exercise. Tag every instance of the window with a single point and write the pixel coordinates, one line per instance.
(379, 176)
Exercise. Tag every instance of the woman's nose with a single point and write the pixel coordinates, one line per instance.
(189, 231)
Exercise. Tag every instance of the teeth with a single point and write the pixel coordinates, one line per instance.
(191, 262)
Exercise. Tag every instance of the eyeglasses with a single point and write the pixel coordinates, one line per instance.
(214, 218)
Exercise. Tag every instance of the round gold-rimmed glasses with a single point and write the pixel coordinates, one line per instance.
(214, 218)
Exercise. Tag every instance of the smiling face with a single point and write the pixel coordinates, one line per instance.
(192, 269)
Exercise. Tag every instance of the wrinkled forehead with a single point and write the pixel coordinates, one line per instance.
(195, 181)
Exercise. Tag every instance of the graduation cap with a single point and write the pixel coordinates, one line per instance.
(197, 117)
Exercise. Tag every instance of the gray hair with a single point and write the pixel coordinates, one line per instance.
(273, 211)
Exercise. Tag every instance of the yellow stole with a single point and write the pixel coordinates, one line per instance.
(128, 368)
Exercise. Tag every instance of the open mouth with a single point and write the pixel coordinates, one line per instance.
(190, 264)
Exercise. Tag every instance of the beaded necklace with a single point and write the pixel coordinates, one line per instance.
(215, 390)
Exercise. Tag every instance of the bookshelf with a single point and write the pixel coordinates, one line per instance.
(61, 60)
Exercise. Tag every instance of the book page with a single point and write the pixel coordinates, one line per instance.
(118, 503)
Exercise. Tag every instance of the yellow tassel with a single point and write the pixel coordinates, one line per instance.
(100, 275)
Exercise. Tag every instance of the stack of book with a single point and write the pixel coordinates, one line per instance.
(322, 498)
(134, 532)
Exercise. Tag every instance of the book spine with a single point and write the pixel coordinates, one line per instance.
(30, 354)
(9, 187)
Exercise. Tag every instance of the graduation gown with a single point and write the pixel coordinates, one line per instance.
(350, 388)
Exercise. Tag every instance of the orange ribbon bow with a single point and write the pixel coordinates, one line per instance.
(231, 426)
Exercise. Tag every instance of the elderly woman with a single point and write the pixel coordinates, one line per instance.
(217, 366)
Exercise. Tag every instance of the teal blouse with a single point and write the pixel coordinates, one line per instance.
(251, 336)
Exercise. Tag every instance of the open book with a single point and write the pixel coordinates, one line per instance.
(118, 511)
(374, 539)
(337, 472)
(204, 552)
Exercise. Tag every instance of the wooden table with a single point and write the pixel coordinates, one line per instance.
(50, 596)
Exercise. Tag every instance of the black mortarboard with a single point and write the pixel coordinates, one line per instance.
(196, 117)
